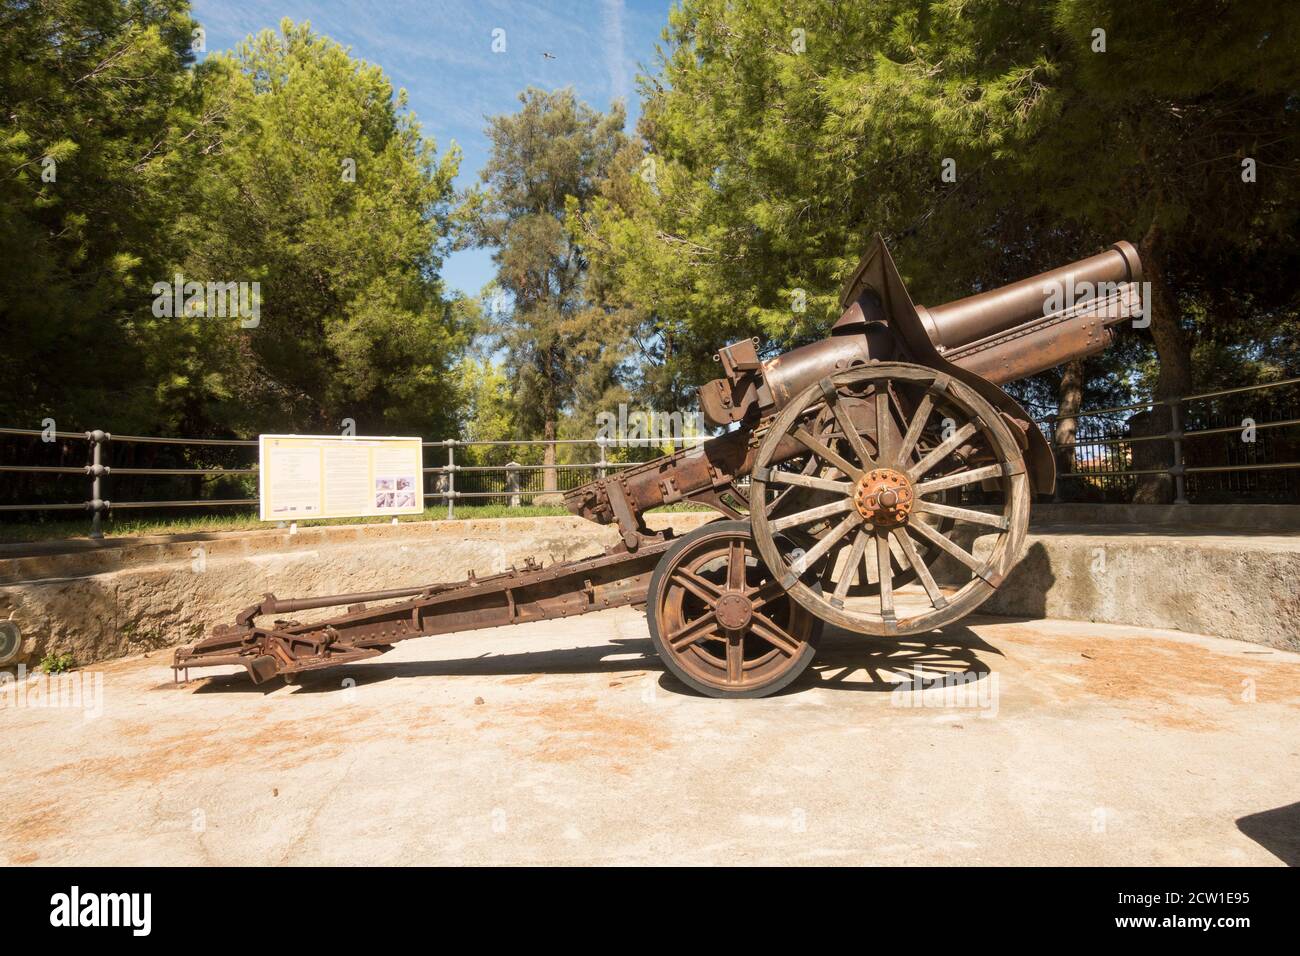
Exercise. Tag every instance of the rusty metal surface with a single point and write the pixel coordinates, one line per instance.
(719, 620)
(789, 374)
(998, 310)
(517, 596)
(1049, 339)
(981, 342)
(728, 399)
(984, 340)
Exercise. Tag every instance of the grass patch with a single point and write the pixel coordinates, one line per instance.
(53, 663)
(130, 524)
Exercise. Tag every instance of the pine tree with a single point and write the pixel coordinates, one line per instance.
(547, 162)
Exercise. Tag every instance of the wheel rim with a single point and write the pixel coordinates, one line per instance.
(869, 505)
(724, 619)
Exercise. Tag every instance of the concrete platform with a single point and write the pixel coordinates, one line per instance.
(562, 742)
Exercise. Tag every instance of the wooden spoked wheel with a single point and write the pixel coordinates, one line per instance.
(825, 426)
(870, 508)
(720, 622)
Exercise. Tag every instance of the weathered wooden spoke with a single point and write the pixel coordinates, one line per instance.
(808, 481)
(886, 526)
(816, 552)
(851, 566)
(884, 423)
(885, 569)
(914, 429)
(958, 479)
(962, 514)
(824, 452)
(846, 426)
(942, 451)
(946, 544)
(927, 579)
(703, 607)
(811, 515)
(809, 469)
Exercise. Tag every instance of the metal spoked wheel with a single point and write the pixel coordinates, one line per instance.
(871, 509)
(720, 622)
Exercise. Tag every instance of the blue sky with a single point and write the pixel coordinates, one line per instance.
(440, 51)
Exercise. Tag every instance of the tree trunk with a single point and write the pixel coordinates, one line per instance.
(1174, 357)
(548, 456)
(1069, 401)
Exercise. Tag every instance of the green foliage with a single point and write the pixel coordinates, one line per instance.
(325, 192)
(777, 136)
(104, 92)
(560, 350)
(487, 411)
(56, 663)
(231, 171)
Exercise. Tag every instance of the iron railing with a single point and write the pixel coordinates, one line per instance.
(1111, 452)
(512, 482)
(515, 482)
(1105, 446)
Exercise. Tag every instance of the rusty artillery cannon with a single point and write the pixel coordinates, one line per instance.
(861, 452)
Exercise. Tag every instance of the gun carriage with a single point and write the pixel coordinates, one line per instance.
(860, 451)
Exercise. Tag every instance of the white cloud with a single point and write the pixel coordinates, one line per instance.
(615, 62)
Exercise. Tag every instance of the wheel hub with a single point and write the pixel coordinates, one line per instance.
(734, 611)
(883, 496)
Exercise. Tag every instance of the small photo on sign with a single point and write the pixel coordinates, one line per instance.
(386, 493)
(405, 497)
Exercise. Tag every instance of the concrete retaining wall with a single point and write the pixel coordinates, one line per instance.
(1245, 587)
(1242, 518)
(101, 600)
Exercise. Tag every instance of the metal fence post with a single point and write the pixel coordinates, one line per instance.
(600, 472)
(1178, 470)
(1056, 460)
(97, 471)
(451, 477)
(512, 482)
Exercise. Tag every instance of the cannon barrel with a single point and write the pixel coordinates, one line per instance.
(976, 317)
(1039, 323)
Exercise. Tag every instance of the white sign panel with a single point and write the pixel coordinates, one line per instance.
(333, 476)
